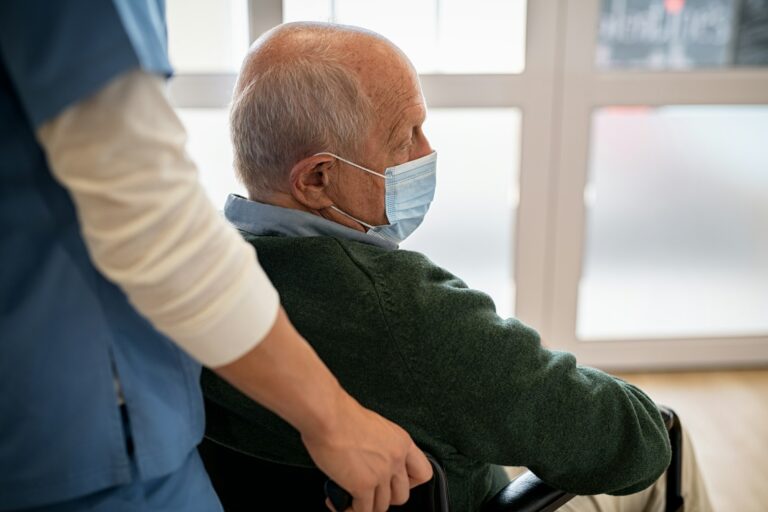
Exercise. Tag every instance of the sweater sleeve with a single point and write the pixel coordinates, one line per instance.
(502, 398)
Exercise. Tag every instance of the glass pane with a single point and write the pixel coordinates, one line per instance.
(469, 228)
(210, 147)
(677, 223)
(682, 34)
(448, 36)
(207, 36)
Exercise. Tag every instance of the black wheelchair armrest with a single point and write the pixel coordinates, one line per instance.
(674, 494)
(527, 493)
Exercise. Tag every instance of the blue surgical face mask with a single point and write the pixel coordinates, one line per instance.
(409, 189)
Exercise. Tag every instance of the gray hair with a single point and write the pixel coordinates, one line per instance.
(294, 109)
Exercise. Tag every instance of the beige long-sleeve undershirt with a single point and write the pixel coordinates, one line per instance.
(149, 225)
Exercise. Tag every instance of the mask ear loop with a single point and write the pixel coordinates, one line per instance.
(353, 164)
(351, 217)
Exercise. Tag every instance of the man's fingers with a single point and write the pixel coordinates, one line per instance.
(370, 457)
(418, 467)
(363, 502)
(381, 498)
(399, 489)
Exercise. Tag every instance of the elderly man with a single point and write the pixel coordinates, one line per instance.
(327, 127)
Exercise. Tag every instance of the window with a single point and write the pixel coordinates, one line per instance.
(677, 223)
(210, 147)
(602, 164)
(439, 36)
(206, 36)
(659, 229)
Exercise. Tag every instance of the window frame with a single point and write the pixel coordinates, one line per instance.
(584, 89)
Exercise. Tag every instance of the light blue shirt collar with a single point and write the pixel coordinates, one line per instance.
(265, 219)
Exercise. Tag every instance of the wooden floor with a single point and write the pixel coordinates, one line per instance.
(726, 414)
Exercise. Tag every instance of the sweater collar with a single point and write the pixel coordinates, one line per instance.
(266, 219)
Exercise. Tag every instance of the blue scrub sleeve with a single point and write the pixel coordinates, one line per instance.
(60, 52)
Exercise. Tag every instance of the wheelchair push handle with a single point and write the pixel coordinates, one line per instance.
(435, 491)
(340, 499)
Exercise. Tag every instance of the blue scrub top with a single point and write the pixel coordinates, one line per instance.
(65, 330)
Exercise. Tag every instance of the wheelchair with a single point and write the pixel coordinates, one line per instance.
(243, 482)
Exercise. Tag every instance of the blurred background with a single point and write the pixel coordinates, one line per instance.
(603, 175)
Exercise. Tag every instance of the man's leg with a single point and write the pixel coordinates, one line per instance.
(652, 499)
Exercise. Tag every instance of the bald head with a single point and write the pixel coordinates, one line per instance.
(306, 88)
(371, 57)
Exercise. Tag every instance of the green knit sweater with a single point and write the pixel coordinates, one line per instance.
(409, 340)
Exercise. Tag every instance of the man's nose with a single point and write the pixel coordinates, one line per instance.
(422, 146)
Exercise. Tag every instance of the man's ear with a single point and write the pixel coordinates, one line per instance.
(309, 181)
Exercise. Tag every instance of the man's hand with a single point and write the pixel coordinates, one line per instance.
(371, 458)
(368, 456)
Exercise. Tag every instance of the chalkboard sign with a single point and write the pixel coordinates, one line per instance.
(751, 47)
(682, 34)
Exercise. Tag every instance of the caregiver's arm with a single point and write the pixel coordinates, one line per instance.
(150, 228)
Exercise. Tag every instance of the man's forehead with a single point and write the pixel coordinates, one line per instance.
(394, 91)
